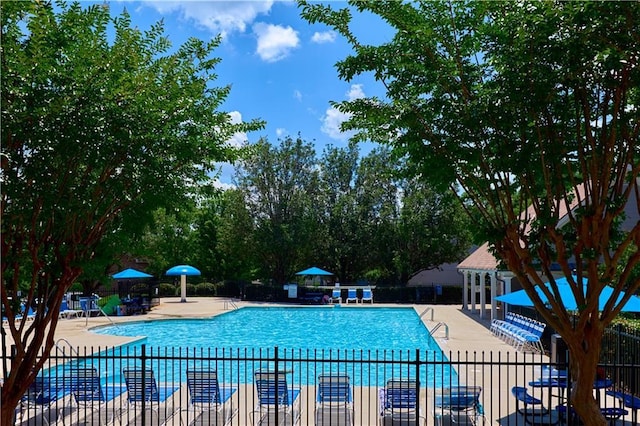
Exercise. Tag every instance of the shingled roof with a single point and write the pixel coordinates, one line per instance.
(480, 259)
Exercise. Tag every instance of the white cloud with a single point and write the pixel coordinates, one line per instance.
(355, 92)
(297, 94)
(238, 139)
(224, 176)
(217, 16)
(275, 42)
(325, 37)
(333, 118)
(281, 131)
(223, 186)
(331, 123)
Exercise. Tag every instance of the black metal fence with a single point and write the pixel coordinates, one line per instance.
(142, 385)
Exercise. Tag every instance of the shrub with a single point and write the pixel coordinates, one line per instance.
(167, 290)
(205, 289)
(191, 289)
(76, 288)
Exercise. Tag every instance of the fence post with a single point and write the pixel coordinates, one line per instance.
(618, 349)
(143, 358)
(277, 372)
(417, 387)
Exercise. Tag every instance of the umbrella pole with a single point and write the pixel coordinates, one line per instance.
(183, 288)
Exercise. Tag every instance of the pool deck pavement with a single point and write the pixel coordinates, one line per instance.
(468, 334)
(467, 331)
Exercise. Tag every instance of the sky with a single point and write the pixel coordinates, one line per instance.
(281, 68)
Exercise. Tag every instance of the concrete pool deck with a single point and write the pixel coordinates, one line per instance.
(467, 331)
(469, 336)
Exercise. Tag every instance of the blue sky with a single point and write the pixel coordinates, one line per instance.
(280, 67)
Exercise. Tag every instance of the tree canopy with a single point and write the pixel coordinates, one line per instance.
(342, 212)
(532, 109)
(101, 123)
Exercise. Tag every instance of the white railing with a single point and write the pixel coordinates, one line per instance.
(439, 325)
(67, 344)
(230, 304)
(427, 310)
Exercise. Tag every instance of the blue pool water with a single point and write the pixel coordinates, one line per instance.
(343, 335)
(295, 328)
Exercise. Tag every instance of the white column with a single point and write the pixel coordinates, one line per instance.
(473, 291)
(483, 296)
(465, 290)
(183, 288)
(494, 304)
(507, 289)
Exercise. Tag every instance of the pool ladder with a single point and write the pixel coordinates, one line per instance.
(427, 310)
(230, 304)
(438, 325)
(67, 344)
(100, 311)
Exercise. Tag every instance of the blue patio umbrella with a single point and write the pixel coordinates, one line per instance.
(521, 298)
(183, 271)
(314, 271)
(130, 274)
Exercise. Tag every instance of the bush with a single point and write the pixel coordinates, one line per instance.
(205, 289)
(76, 288)
(168, 290)
(191, 289)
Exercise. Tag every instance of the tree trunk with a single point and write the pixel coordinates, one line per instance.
(33, 347)
(584, 356)
(10, 400)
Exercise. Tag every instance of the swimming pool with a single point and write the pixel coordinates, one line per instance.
(290, 327)
(370, 344)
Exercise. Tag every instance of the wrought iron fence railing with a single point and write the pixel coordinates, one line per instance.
(142, 385)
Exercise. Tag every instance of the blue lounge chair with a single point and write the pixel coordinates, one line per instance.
(336, 295)
(209, 404)
(39, 404)
(92, 400)
(145, 398)
(398, 402)
(65, 312)
(351, 296)
(460, 403)
(277, 404)
(334, 401)
(30, 314)
(367, 296)
(89, 307)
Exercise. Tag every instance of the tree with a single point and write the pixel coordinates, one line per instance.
(100, 124)
(170, 239)
(279, 186)
(432, 229)
(532, 108)
(339, 236)
(378, 210)
(225, 238)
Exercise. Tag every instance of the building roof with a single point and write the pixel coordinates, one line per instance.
(480, 259)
